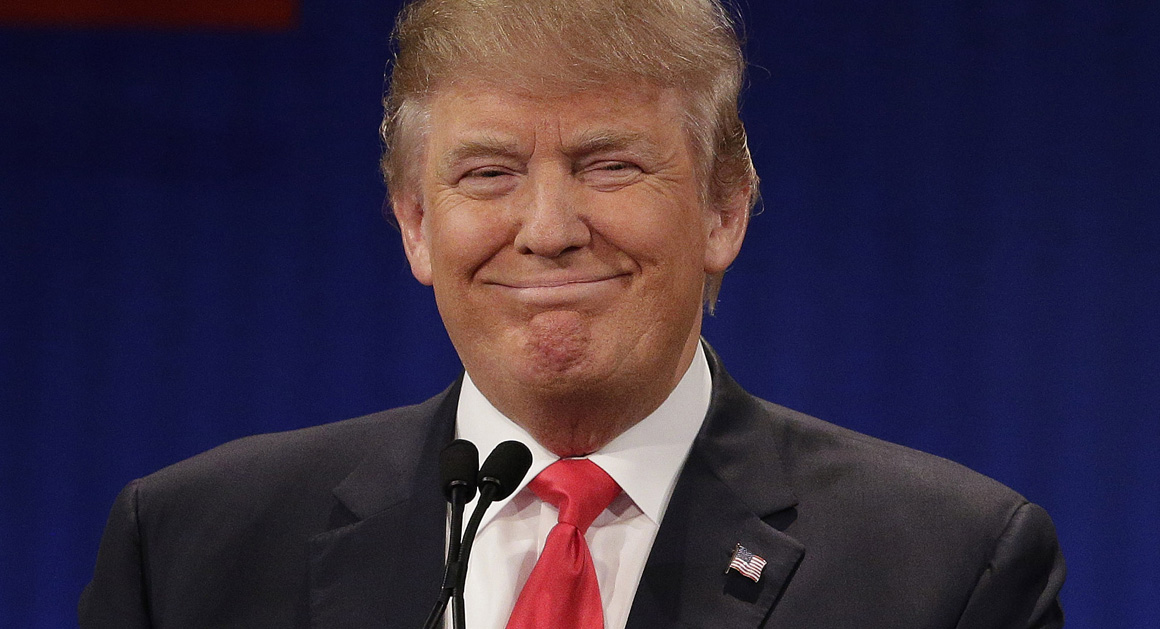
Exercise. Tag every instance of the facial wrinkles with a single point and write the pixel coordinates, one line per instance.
(661, 173)
(485, 147)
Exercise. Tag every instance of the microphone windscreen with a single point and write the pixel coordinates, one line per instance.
(458, 464)
(505, 467)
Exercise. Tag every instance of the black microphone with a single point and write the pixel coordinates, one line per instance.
(503, 470)
(498, 477)
(458, 467)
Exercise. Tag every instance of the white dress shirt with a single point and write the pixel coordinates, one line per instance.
(645, 461)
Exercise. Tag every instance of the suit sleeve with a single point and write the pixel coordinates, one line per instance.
(116, 598)
(1019, 588)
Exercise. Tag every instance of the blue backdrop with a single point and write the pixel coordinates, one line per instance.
(957, 251)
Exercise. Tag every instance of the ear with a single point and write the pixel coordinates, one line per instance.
(409, 213)
(726, 223)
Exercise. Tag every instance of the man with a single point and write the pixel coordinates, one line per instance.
(572, 179)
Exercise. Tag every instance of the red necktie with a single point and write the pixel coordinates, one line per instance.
(562, 592)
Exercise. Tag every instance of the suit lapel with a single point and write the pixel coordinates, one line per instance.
(381, 562)
(731, 491)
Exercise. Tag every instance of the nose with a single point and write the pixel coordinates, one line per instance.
(552, 224)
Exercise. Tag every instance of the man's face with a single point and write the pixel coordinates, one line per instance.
(565, 239)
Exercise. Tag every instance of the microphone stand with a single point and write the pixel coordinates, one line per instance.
(487, 492)
(459, 496)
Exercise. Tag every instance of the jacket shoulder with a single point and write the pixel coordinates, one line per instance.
(269, 475)
(892, 519)
(230, 529)
(826, 457)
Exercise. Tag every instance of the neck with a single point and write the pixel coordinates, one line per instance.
(579, 426)
(577, 421)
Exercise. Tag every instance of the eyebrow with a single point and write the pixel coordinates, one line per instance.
(601, 141)
(588, 143)
(479, 147)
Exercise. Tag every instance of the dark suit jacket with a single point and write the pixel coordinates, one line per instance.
(342, 525)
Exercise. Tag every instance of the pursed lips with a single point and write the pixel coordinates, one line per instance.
(554, 282)
(551, 289)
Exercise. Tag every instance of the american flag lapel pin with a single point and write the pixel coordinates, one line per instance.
(746, 563)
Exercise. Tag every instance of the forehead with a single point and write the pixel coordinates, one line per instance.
(484, 114)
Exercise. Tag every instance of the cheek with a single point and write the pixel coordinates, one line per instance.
(463, 239)
(651, 223)
(672, 236)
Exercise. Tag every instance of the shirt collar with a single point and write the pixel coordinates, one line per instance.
(645, 460)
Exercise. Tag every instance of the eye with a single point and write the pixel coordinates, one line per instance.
(487, 173)
(487, 182)
(613, 166)
(610, 174)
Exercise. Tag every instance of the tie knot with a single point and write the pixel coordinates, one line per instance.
(578, 488)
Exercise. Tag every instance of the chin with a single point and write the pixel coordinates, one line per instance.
(566, 377)
(558, 345)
